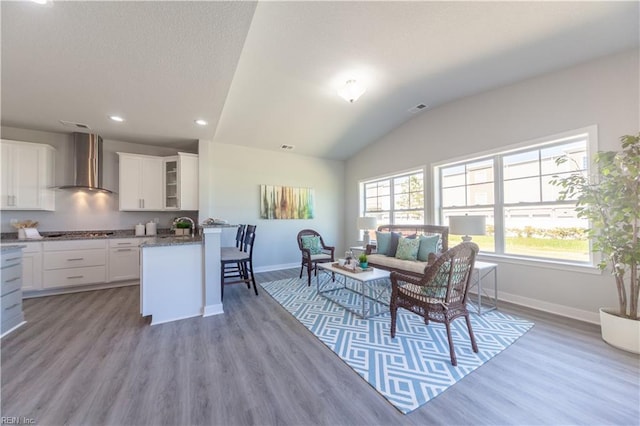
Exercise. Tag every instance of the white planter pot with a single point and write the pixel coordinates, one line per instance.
(622, 333)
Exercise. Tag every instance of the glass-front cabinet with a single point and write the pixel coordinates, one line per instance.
(181, 182)
(171, 184)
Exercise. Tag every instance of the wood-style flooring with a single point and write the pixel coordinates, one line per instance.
(90, 359)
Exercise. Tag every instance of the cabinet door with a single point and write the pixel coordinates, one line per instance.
(171, 184)
(27, 176)
(6, 189)
(124, 263)
(188, 181)
(152, 183)
(31, 271)
(130, 183)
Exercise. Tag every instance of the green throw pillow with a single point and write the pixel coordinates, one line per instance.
(428, 244)
(382, 242)
(407, 248)
(312, 243)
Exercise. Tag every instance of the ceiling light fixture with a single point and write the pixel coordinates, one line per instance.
(40, 1)
(351, 91)
(200, 122)
(116, 118)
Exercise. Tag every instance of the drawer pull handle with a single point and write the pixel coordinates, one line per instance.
(75, 276)
(11, 259)
(12, 306)
(124, 244)
(77, 258)
(124, 249)
(12, 280)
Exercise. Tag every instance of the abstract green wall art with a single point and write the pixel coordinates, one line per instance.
(285, 202)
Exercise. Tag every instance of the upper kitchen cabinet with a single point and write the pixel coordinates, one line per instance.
(181, 182)
(140, 182)
(27, 176)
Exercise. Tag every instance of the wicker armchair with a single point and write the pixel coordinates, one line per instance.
(311, 260)
(440, 295)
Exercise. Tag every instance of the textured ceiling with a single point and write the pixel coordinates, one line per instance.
(267, 75)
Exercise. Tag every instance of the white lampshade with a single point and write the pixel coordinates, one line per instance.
(467, 225)
(366, 223)
(351, 91)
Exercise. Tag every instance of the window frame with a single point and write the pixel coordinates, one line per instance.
(362, 208)
(497, 155)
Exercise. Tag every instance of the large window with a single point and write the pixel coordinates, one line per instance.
(396, 199)
(512, 189)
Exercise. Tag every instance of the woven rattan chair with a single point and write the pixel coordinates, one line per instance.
(311, 260)
(440, 295)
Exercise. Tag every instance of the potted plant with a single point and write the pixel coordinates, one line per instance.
(611, 203)
(182, 227)
(363, 261)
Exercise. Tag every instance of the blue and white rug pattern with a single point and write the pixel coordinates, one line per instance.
(414, 367)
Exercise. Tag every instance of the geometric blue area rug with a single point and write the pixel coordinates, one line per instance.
(411, 369)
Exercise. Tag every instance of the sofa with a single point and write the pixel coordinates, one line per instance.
(407, 248)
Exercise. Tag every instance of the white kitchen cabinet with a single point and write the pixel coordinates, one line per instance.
(10, 294)
(27, 176)
(141, 182)
(76, 262)
(181, 182)
(124, 258)
(31, 265)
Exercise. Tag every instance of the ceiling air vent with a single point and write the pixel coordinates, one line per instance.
(418, 108)
(77, 126)
(286, 147)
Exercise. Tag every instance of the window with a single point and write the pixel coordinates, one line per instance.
(396, 199)
(512, 190)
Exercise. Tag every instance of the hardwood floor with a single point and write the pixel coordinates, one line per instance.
(90, 359)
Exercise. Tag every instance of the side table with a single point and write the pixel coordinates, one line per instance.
(480, 274)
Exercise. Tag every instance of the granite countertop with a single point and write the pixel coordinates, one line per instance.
(6, 237)
(172, 240)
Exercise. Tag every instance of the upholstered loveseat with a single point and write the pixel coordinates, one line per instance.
(396, 247)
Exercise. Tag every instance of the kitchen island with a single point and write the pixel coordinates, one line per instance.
(180, 276)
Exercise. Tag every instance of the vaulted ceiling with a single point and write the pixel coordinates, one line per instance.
(266, 74)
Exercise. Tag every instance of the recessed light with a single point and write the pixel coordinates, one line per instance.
(40, 1)
(116, 118)
(201, 122)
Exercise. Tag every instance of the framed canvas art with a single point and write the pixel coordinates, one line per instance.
(286, 202)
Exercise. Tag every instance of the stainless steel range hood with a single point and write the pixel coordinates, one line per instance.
(87, 163)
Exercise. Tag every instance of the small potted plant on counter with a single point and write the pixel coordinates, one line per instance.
(364, 263)
(183, 227)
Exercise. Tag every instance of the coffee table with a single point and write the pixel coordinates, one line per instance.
(366, 294)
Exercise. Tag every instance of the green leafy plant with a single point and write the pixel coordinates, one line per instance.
(183, 225)
(362, 258)
(610, 200)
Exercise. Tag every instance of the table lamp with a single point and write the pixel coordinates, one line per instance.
(366, 223)
(467, 225)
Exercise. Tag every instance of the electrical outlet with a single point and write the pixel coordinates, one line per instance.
(13, 221)
(156, 220)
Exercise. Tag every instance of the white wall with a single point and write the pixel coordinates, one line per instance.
(603, 92)
(79, 211)
(235, 176)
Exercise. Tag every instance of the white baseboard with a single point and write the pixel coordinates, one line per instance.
(12, 329)
(553, 308)
(77, 289)
(210, 310)
(270, 268)
(166, 320)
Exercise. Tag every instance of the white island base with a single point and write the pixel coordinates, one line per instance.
(171, 282)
